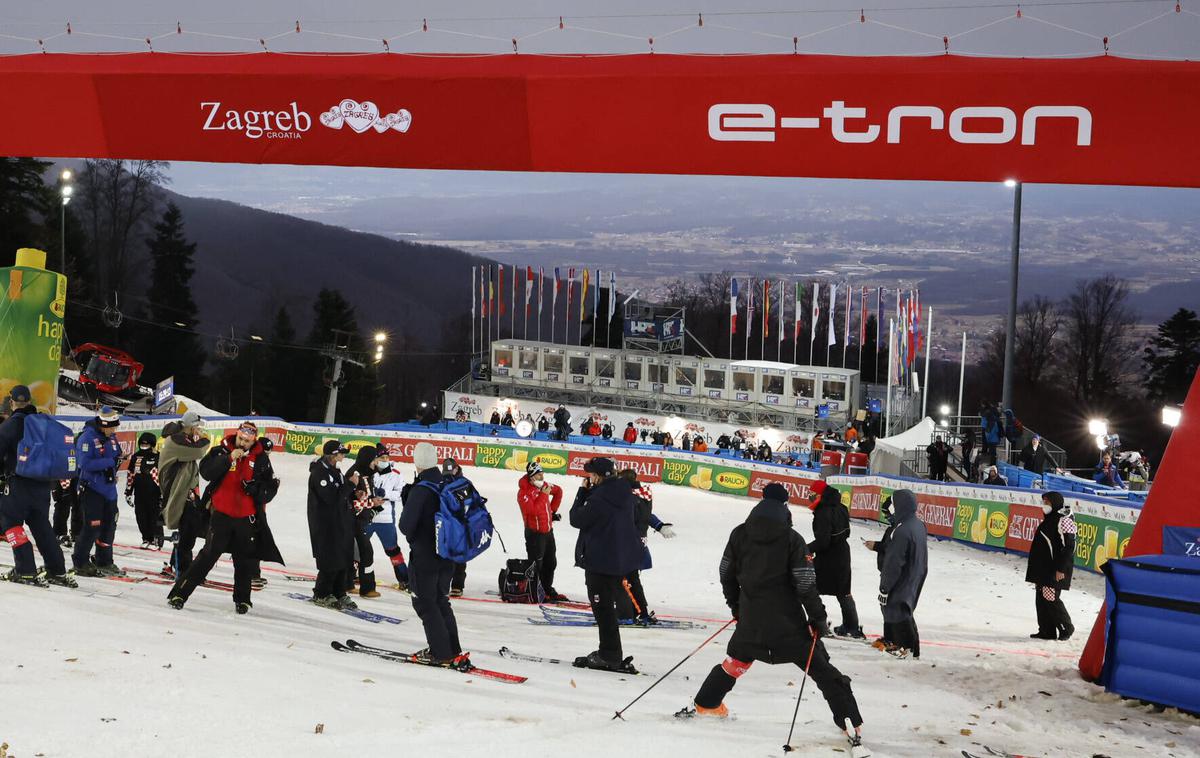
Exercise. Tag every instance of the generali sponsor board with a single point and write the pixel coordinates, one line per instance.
(649, 469)
(1023, 521)
(938, 513)
(799, 489)
(402, 449)
(864, 502)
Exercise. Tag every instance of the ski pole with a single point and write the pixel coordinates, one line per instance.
(787, 748)
(658, 681)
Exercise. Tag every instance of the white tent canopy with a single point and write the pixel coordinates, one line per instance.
(889, 451)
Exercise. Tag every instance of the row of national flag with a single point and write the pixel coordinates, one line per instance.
(760, 296)
(491, 300)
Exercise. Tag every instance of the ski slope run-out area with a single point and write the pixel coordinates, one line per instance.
(110, 670)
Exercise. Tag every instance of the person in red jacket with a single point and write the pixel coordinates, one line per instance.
(229, 469)
(630, 433)
(539, 503)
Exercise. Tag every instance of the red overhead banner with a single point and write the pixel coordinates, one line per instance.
(1097, 120)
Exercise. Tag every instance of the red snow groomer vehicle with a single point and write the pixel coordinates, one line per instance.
(106, 369)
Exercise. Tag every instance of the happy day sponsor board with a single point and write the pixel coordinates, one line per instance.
(994, 517)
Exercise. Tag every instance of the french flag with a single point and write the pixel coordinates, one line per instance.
(733, 296)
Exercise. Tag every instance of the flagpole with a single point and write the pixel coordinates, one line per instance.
(541, 293)
(829, 321)
(749, 318)
(526, 335)
(762, 335)
(928, 344)
(887, 418)
(733, 310)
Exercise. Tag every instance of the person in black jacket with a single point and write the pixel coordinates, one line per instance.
(429, 574)
(632, 604)
(68, 516)
(365, 505)
(608, 549)
(1051, 562)
(888, 640)
(263, 487)
(331, 525)
(1035, 458)
(562, 423)
(831, 551)
(141, 488)
(769, 583)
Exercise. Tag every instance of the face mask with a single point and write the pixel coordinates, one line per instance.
(384, 466)
(1046, 509)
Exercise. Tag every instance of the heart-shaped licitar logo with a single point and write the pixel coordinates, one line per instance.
(359, 116)
(381, 124)
(403, 120)
(332, 118)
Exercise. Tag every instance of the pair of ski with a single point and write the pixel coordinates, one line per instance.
(88, 592)
(564, 617)
(994, 752)
(350, 646)
(358, 613)
(157, 577)
(513, 655)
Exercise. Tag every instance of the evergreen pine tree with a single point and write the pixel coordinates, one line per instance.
(335, 324)
(169, 347)
(1173, 358)
(23, 198)
(285, 384)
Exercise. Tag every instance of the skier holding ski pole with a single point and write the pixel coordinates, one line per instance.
(769, 583)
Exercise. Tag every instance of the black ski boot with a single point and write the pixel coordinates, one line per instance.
(243, 608)
(33, 580)
(176, 602)
(857, 748)
(63, 580)
(595, 660)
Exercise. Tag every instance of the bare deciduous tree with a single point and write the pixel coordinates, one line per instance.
(117, 200)
(1098, 347)
(1037, 334)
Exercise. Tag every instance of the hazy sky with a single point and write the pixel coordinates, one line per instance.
(982, 27)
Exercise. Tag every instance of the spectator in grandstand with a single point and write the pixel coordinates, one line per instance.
(543, 424)
(816, 447)
(867, 443)
(495, 419)
(1035, 458)
(939, 459)
(685, 442)
(993, 431)
(993, 478)
(851, 435)
(630, 435)
(764, 451)
(1107, 473)
(699, 445)
(968, 450)
(723, 443)
(508, 419)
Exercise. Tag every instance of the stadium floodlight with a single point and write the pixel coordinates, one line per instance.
(1171, 415)
(380, 338)
(1010, 183)
(1102, 442)
(944, 410)
(1098, 427)
(945, 422)
(68, 190)
(66, 175)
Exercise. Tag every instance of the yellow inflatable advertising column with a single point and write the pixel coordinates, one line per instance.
(31, 327)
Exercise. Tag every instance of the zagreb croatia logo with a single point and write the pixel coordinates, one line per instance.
(365, 115)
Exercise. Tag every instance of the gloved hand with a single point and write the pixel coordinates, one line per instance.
(734, 612)
(820, 628)
(883, 597)
(666, 531)
(556, 517)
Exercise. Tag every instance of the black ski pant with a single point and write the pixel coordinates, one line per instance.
(68, 518)
(25, 504)
(99, 529)
(429, 578)
(192, 524)
(834, 685)
(1052, 615)
(459, 580)
(905, 634)
(147, 509)
(330, 583)
(366, 558)
(540, 549)
(603, 591)
(226, 534)
(849, 612)
(631, 602)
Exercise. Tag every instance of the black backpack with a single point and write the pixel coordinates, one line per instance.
(519, 582)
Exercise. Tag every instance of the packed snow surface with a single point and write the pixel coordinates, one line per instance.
(95, 675)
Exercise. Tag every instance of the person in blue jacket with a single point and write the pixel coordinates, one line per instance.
(1107, 474)
(99, 457)
(25, 503)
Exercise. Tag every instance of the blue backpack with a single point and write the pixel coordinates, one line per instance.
(46, 452)
(462, 527)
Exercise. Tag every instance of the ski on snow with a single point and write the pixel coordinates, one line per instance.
(374, 618)
(515, 656)
(157, 577)
(351, 646)
(994, 752)
(555, 617)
